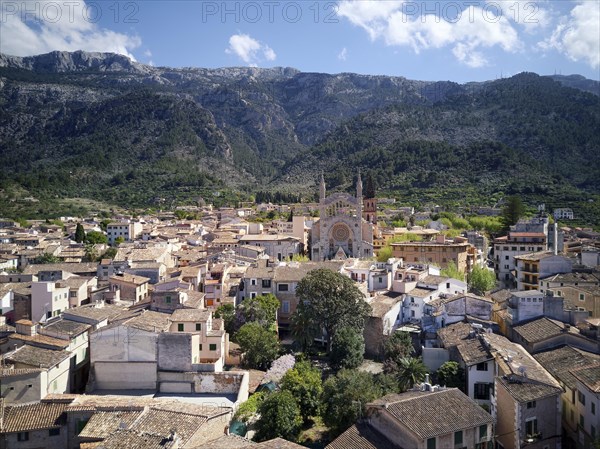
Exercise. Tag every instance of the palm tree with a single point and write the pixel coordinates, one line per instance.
(411, 371)
(304, 330)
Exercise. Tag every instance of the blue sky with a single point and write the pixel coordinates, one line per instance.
(429, 40)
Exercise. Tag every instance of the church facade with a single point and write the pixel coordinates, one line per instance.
(342, 230)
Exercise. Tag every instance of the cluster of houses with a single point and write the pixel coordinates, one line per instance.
(127, 348)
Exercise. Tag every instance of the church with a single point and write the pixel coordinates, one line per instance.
(346, 224)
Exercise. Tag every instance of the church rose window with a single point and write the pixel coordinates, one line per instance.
(340, 232)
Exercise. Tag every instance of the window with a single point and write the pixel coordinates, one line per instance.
(200, 348)
(168, 299)
(198, 326)
(593, 408)
(483, 366)
(482, 391)
(505, 257)
(593, 432)
(581, 421)
(581, 397)
(482, 431)
(266, 283)
(23, 436)
(212, 347)
(581, 297)
(285, 307)
(458, 438)
(531, 427)
(179, 327)
(282, 287)
(252, 281)
(531, 404)
(253, 295)
(447, 284)
(431, 443)
(54, 432)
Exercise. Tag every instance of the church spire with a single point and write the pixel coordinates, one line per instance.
(359, 187)
(322, 187)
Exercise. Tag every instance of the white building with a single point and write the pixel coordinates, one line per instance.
(563, 213)
(48, 299)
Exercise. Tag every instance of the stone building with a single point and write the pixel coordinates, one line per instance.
(342, 228)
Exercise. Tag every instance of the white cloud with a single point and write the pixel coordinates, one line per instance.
(467, 34)
(577, 35)
(249, 49)
(343, 55)
(35, 27)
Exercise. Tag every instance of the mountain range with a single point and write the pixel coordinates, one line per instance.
(102, 126)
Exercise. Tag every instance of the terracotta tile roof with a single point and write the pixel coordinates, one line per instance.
(454, 334)
(135, 440)
(161, 422)
(524, 389)
(94, 313)
(296, 271)
(361, 436)
(23, 418)
(277, 443)
(103, 424)
(589, 376)
(150, 321)
(539, 329)
(34, 356)
(473, 351)
(66, 327)
(559, 362)
(382, 304)
(431, 414)
(227, 442)
(40, 339)
(190, 315)
(129, 278)
(73, 267)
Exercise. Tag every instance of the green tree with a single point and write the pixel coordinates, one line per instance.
(226, 312)
(512, 211)
(279, 417)
(249, 408)
(481, 280)
(410, 371)
(384, 254)
(260, 309)
(110, 253)
(451, 374)
(399, 345)
(104, 224)
(96, 237)
(79, 233)
(47, 258)
(347, 349)
(452, 271)
(345, 397)
(119, 240)
(305, 384)
(259, 345)
(332, 301)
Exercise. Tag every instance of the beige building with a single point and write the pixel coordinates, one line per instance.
(131, 287)
(439, 252)
(564, 364)
(431, 419)
(526, 399)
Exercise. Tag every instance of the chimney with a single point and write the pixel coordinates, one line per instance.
(441, 238)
